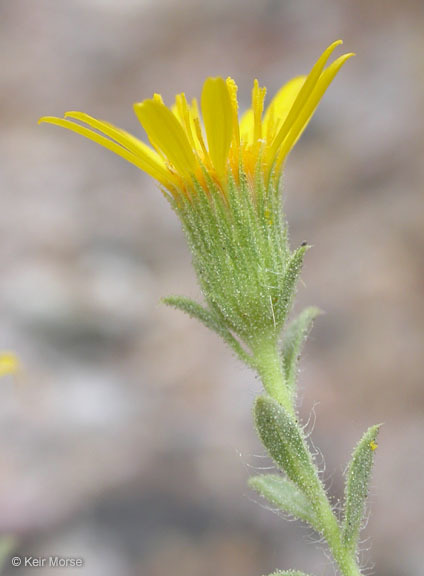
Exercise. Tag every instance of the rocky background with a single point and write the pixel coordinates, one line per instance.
(127, 439)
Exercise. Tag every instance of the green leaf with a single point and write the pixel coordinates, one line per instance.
(194, 310)
(291, 275)
(211, 321)
(285, 444)
(284, 494)
(357, 482)
(294, 338)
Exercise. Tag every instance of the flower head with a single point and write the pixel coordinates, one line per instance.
(183, 150)
(221, 176)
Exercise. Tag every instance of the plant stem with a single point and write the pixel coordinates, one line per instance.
(332, 533)
(269, 366)
(270, 369)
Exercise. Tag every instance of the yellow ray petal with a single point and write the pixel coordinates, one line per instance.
(197, 130)
(174, 109)
(280, 106)
(307, 112)
(235, 142)
(123, 138)
(303, 96)
(247, 127)
(258, 98)
(184, 116)
(158, 98)
(143, 162)
(232, 90)
(217, 115)
(166, 134)
(9, 364)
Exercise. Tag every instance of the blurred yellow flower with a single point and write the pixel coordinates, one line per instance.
(184, 152)
(9, 363)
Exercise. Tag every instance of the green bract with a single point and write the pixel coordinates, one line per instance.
(241, 257)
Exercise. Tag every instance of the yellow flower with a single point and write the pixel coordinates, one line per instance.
(184, 151)
(9, 363)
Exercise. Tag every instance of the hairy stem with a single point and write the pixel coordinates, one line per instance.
(270, 369)
(269, 366)
(332, 533)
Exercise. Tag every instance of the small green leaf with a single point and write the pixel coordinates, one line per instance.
(288, 287)
(210, 320)
(284, 494)
(294, 338)
(357, 482)
(194, 310)
(285, 444)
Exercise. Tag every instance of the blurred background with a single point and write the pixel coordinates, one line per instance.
(127, 439)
